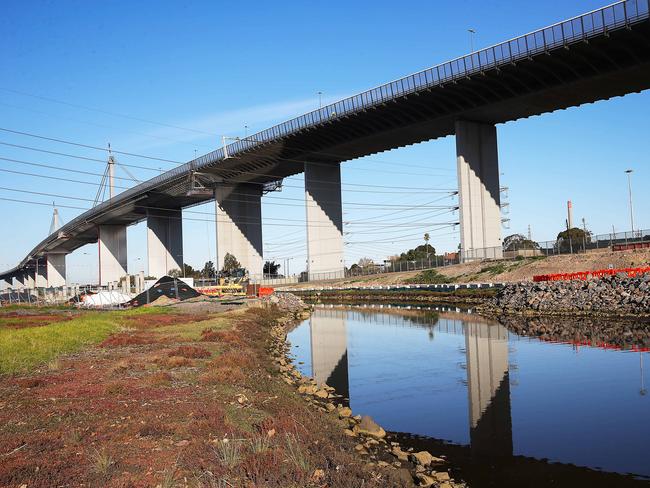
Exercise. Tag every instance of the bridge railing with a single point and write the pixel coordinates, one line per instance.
(581, 28)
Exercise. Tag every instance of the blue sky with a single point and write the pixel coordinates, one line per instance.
(216, 67)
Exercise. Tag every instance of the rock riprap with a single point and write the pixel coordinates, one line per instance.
(610, 295)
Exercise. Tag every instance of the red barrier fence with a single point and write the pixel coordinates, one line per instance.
(584, 275)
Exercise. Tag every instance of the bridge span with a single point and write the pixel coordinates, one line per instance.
(595, 56)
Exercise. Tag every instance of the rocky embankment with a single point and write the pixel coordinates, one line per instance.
(611, 296)
(420, 468)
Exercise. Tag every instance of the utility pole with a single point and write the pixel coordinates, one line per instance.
(629, 189)
(111, 173)
(529, 234)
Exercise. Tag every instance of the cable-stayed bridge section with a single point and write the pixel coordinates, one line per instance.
(599, 55)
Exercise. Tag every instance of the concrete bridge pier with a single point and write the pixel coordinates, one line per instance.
(30, 275)
(478, 190)
(19, 281)
(238, 211)
(325, 257)
(40, 274)
(112, 253)
(164, 242)
(55, 269)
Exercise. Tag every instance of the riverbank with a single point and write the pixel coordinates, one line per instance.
(611, 296)
(460, 297)
(172, 399)
(502, 270)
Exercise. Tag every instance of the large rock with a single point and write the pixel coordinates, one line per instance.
(369, 427)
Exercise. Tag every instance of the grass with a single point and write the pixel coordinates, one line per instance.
(102, 463)
(429, 276)
(228, 452)
(295, 453)
(24, 349)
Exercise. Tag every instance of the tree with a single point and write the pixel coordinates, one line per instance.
(572, 240)
(515, 242)
(271, 268)
(366, 263)
(355, 270)
(208, 270)
(426, 241)
(230, 264)
(175, 273)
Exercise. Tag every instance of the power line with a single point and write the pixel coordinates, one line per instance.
(359, 204)
(62, 141)
(115, 114)
(163, 124)
(102, 161)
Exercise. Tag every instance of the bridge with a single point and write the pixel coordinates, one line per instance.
(595, 56)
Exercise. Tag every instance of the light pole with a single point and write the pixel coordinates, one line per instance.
(471, 39)
(320, 100)
(629, 189)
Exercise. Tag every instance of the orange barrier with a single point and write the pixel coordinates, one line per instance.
(265, 291)
(584, 275)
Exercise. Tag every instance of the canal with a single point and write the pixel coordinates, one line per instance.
(505, 410)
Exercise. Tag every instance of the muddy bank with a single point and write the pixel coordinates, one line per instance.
(459, 297)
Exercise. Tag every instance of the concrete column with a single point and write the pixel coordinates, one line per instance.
(19, 281)
(325, 257)
(112, 253)
(238, 211)
(479, 193)
(40, 274)
(164, 242)
(55, 269)
(29, 279)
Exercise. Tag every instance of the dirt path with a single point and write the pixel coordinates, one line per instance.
(174, 400)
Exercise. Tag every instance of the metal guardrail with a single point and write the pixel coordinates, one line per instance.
(615, 16)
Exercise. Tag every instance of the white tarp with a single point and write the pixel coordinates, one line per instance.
(105, 298)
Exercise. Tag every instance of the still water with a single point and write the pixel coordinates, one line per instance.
(506, 410)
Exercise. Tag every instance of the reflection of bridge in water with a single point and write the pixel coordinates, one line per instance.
(486, 352)
(489, 458)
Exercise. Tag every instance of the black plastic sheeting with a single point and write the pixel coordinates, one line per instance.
(170, 287)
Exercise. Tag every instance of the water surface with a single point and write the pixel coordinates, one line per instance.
(507, 410)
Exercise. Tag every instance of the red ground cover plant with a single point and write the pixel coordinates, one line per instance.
(139, 414)
(19, 321)
(191, 352)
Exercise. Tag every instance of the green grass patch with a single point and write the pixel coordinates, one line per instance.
(191, 331)
(24, 349)
(430, 277)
